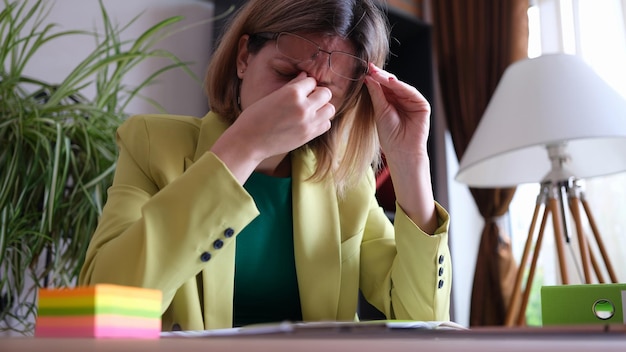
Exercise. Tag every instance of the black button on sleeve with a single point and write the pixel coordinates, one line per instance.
(218, 244)
(229, 232)
(205, 257)
(441, 259)
(440, 271)
(440, 285)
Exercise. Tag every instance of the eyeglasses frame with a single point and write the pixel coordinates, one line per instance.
(275, 35)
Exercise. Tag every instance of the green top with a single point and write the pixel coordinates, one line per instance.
(266, 286)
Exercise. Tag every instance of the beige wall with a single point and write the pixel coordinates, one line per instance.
(175, 90)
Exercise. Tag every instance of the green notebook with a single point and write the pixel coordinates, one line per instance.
(583, 304)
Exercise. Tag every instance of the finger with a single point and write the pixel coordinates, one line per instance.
(324, 117)
(402, 96)
(320, 96)
(380, 75)
(326, 112)
(302, 75)
(376, 92)
(390, 81)
(304, 82)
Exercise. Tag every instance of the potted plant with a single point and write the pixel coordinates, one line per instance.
(57, 150)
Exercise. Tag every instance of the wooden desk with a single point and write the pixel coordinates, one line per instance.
(466, 341)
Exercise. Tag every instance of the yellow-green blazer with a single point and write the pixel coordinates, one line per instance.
(174, 211)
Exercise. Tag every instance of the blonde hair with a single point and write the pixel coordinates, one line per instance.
(351, 146)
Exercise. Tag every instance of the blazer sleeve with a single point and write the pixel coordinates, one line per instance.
(405, 272)
(163, 222)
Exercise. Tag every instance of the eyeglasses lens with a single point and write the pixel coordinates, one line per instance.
(301, 49)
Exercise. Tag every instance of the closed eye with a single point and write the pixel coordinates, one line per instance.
(286, 68)
(288, 74)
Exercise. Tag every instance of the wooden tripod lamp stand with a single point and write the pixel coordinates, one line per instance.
(554, 198)
(557, 104)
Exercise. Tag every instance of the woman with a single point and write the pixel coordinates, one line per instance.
(265, 210)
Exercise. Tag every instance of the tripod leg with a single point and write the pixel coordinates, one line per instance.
(596, 267)
(558, 238)
(533, 266)
(599, 241)
(582, 241)
(512, 310)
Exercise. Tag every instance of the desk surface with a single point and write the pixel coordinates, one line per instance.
(478, 341)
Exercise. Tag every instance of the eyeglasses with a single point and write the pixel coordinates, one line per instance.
(300, 49)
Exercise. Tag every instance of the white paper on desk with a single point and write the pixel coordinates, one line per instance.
(289, 327)
(427, 325)
(248, 330)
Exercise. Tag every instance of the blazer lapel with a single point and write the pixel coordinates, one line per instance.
(317, 242)
(211, 129)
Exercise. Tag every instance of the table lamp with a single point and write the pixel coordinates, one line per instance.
(551, 120)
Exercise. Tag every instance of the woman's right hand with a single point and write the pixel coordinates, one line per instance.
(287, 118)
(276, 124)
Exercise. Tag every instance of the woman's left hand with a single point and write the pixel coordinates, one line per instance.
(403, 123)
(402, 114)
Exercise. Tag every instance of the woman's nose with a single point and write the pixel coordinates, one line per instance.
(318, 68)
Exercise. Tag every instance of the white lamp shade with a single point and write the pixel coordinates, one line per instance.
(545, 101)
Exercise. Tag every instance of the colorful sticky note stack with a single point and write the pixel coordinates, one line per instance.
(102, 310)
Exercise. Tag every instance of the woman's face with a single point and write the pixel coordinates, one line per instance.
(266, 71)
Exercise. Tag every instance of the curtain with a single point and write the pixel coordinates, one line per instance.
(475, 41)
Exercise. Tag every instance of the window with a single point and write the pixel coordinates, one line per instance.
(596, 31)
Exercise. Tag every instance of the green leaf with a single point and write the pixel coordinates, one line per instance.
(57, 147)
